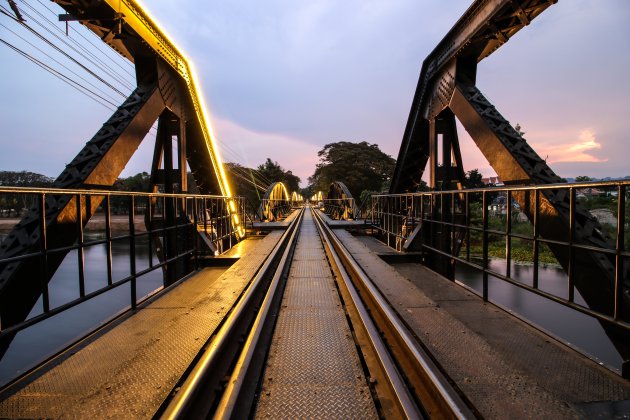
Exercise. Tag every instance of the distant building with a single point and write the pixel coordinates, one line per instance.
(589, 192)
(492, 180)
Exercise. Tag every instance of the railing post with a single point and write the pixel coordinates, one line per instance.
(536, 234)
(43, 247)
(80, 254)
(467, 204)
(484, 238)
(508, 233)
(571, 270)
(149, 225)
(108, 238)
(195, 233)
(132, 250)
(621, 221)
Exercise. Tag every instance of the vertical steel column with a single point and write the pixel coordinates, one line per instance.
(621, 223)
(484, 217)
(80, 259)
(132, 250)
(43, 248)
(508, 233)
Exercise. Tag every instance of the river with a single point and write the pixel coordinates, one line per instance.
(570, 326)
(37, 343)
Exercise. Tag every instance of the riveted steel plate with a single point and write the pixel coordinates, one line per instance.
(308, 254)
(310, 268)
(311, 292)
(502, 364)
(129, 369)
(313, 369)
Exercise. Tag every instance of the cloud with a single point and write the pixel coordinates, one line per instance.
(577, 151)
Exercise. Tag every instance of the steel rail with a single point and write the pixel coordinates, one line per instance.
(429, 385)
(238, 397)
(395, 382)
(200, 391)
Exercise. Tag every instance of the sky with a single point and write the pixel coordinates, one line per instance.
(284, 78)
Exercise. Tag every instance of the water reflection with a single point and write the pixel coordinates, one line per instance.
(571, 326)
(38, 342)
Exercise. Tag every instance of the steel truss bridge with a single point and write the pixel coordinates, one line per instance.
(309, 308)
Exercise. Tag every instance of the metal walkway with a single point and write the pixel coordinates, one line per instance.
(313, 369)
(502, 365)
(128, 370)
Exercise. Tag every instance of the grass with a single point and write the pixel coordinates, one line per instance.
(520, 252)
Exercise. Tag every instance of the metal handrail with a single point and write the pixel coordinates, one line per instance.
(431, 387)
(191, 214)
(214, 362)
(396, 216)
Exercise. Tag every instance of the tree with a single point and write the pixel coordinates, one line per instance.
(252, 183)
(140, 182)
(273, 172)
(361, 166)
(24, 179)
(583, 178)
(473, 179)
(14, 204)
(244, 183)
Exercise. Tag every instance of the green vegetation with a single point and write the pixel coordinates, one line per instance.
(12, 205)
(361, 166)
(252, 183)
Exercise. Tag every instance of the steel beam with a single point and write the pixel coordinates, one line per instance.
(517, 163)
(97, 165)
(482, 29)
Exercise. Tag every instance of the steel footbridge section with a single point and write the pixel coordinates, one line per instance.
(447, 91)
(313, 369)
(167, 92)
(499, 362)
(127, 369)
(312, 347)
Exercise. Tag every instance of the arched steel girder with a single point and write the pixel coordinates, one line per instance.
(275, 204)
(318, 196)
(339, 203)
(446, 90)
(296, 199)
(166, 91)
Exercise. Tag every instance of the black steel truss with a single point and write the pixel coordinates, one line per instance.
(447, 85)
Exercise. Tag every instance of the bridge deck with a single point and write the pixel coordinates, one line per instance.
(281, 225)
(127, 370)
(313, 370)
(502, 364)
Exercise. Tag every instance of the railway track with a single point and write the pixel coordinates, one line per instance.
(312, 336)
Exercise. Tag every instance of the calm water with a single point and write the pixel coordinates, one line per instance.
(568, 325)
(38, 342)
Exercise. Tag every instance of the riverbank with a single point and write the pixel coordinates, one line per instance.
(119, 224)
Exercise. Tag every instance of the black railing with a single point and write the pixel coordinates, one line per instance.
(472, 226)
(341, 208)
(271, 209)
(176, 230)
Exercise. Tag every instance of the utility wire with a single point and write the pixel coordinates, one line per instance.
(47, 41)
(100, 64)
(129, 65)
(257, 180)
(110, 99)
(61, 76)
